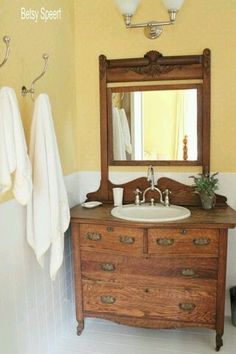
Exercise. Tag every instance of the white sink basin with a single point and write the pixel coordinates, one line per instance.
(147, 213)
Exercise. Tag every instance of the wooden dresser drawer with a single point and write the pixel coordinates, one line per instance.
(150, 302)
(119, 239)
(198, 242)
(164, 272)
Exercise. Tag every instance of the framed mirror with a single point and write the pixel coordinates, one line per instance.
(154, 110)
(158, 123)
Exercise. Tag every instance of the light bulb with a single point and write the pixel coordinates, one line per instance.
(173, 5)
(127, 7)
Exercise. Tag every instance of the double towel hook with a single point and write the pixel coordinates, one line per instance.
(24, 90)
(6, 40)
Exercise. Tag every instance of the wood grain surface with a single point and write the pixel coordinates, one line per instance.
(153, 275)
(139, 301)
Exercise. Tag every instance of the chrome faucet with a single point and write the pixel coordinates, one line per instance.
(150, 178)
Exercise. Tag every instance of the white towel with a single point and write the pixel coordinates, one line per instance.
(13, 149)
(48, 213)
(118, 138)
(125, 130)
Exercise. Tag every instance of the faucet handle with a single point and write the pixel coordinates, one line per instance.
(166, 194)
(137, 193)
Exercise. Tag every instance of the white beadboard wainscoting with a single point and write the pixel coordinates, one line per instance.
(37, 316)
(33, 310)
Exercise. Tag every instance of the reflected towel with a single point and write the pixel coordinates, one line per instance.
(48, 212)
(125, 130)
(118, 138)
(13, 149)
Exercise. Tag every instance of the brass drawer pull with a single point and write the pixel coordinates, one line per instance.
(108, 299)
(110, 229)
(165, 241)
(201, 241)
(188, 272)
(184, 232)
(127, 240)
(108, 267)
(187, 306)
(93, 236)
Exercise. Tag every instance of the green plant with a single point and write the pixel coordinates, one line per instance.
(206, 183)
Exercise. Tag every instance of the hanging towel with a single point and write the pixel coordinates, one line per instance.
(118, 138)
(125, 130)
(13, 149)
(48, 213)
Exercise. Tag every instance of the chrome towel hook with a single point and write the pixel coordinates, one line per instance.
(6, 40)
(24, 90)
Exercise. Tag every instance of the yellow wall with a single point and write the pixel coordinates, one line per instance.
(200, 24)
(98, 29)
(29, 41)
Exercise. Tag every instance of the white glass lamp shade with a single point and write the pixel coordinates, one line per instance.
(127, 7)
(173, 5)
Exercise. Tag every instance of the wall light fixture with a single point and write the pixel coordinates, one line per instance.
(152, 29)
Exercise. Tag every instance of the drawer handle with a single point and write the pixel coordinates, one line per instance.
(108, 267)
(188, 272)
(184, 232)
(110, 229)
(128, 240)
(201, 241)
(108, 299)
(93, 236)
(187, 307)
(165, 241)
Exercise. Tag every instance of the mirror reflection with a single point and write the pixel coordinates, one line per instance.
(158, 124)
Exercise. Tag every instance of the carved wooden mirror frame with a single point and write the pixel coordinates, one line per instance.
(152, 67)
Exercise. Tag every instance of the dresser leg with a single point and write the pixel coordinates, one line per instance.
(80, 327)
(219, 341)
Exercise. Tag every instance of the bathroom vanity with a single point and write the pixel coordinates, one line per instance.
(164, 275)
(153, 274)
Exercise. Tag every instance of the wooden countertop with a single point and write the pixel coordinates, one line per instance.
(200, 218)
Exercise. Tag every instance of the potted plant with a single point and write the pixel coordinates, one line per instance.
(205, 186)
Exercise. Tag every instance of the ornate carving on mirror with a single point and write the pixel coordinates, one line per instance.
(154, 109)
